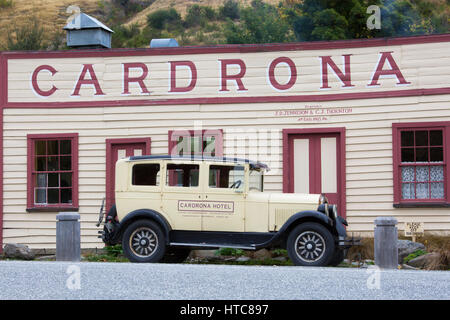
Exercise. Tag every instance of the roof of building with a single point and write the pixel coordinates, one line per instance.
(253, 164)
(84, 21)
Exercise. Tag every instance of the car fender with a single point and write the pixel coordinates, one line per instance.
(145, 214)
(306, 216)
(294, 220)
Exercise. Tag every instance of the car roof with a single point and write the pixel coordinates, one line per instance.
(253, 164)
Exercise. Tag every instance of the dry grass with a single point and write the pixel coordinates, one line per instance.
(362, 252)
(51, 13)
(441, 245)
(433, 243)
(181, 6)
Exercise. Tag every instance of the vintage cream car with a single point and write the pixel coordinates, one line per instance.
(165, 206)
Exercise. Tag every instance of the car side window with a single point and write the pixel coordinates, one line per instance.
(147, 174)
(182, 175)
(226, 177)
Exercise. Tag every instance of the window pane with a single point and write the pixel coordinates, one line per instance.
(436, 138)
(407, 155)
(53, 180)
(53, 195)
(66, 179)
(437, 173)
(41, 164)
(422, 174)
(181, 146)
(145, 175)
(437, 154)
(41, 180)
(437, 190)
(408, 191)
(52, 147)
(422, 155)
(52, 164)
(421, 138)
(407, 138)
(422, 191)
(39, 147)
(408, 174)
(65, 147)
(196, 146)
(40, 196)
(227, 177)
(182, 175)
(66, 163)
(66, 195)
(209, 146)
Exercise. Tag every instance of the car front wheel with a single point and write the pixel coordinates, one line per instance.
(310, 244)
(143, 241)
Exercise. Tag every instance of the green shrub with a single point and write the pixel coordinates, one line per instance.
(6, 3)
(199, 15)
(114, 251)
(29, 36)
(164, 19)
(229, 252)
(413, 255)
(230, 10)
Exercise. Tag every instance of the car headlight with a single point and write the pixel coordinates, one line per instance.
(332, 211)
(322, 199)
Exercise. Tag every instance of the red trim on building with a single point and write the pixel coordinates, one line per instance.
(3, 88)
(224, 100)
(234, 48)
(288, 164)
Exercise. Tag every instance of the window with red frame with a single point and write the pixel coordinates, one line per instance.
(52, 171)
(421, 164)
(196, 143)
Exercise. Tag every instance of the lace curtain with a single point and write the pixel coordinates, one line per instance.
(426, 183)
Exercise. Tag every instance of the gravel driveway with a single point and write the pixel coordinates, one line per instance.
(90, 280)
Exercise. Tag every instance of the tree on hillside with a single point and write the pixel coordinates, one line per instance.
(347, 19)
(260, 23)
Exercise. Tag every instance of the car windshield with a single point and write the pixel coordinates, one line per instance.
(256, 180)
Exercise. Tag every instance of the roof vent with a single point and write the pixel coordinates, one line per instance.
(162, 43)
(87, 32)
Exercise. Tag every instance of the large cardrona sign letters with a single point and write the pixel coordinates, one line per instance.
(232, 75)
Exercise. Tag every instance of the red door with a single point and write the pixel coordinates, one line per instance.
(118, 149)
(315, 165)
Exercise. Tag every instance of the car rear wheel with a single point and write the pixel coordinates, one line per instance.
(310, 244)
(143, 241)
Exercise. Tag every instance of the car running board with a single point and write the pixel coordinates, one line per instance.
(213, 245)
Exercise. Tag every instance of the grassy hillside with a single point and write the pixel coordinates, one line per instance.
(37, 24)
(52, 15)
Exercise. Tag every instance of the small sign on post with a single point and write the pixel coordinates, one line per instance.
(414, 229)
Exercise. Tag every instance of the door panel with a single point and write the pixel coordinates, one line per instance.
(316, 166)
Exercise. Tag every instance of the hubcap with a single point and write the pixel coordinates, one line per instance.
(310, 246)
(143, 242)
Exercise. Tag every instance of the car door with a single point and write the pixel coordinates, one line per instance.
(182, 194)
(224, 197)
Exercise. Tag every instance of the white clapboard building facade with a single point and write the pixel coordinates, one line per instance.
(367, 122)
